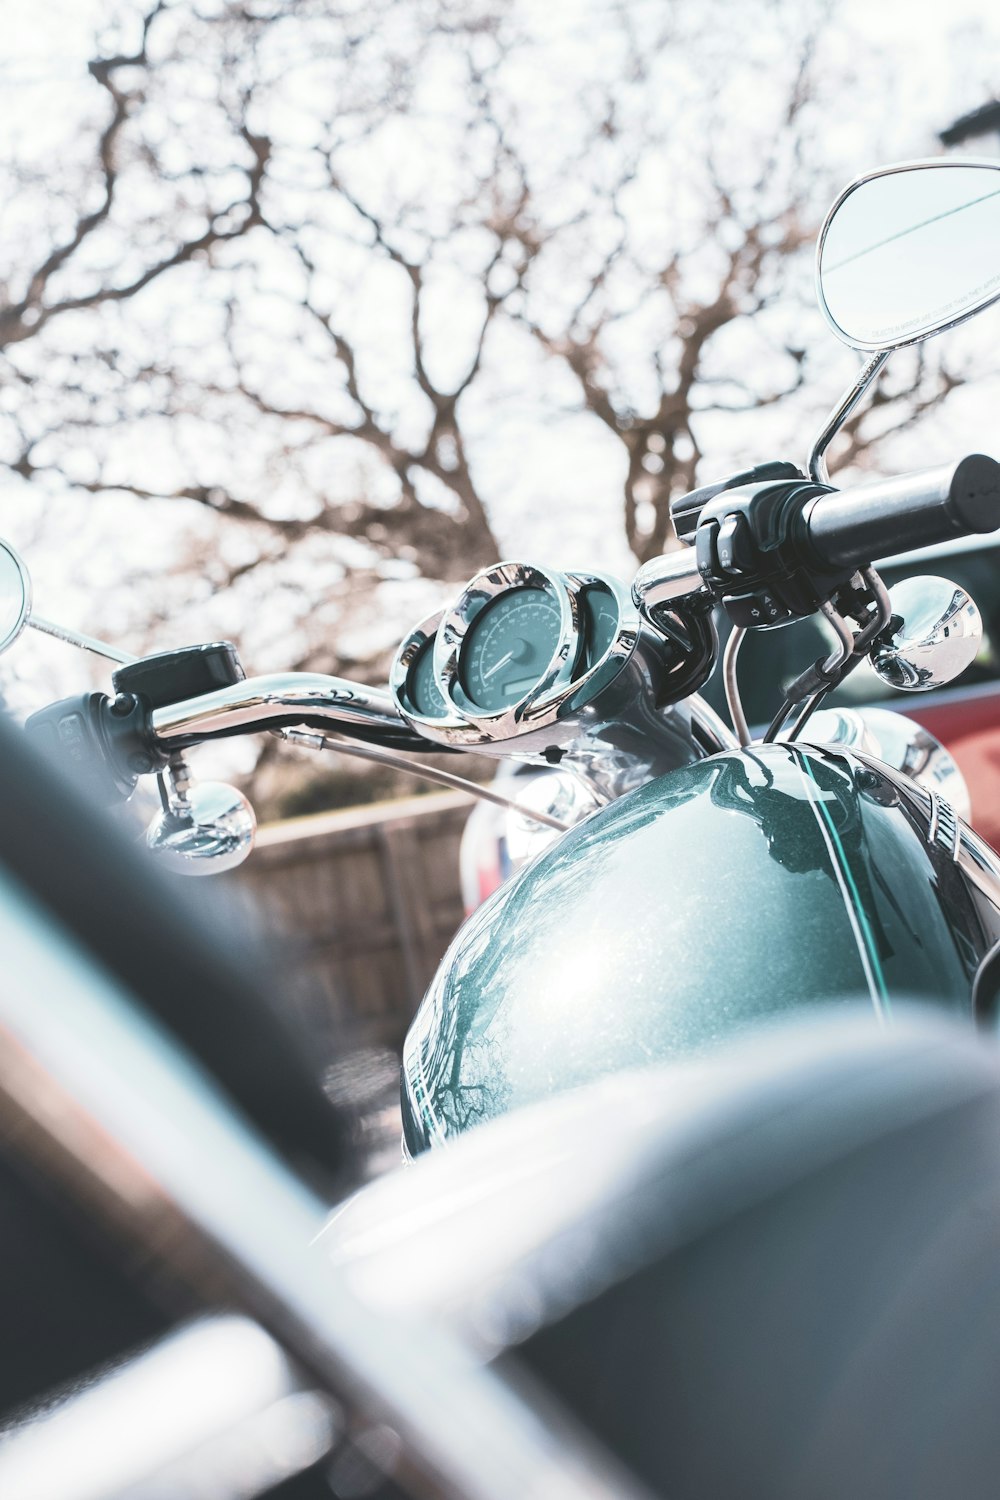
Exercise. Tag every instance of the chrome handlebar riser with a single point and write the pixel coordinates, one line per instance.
(666, 580)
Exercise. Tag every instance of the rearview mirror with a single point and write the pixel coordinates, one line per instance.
(910, 250)
(15, 596)
(207, 828)
(937, 635)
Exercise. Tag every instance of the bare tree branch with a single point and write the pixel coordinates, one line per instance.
(304, 250)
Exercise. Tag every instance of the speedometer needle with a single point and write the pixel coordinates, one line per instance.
(498, 664)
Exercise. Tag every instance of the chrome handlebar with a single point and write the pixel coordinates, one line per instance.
(283, 697)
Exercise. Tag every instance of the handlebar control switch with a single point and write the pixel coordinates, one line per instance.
(753, 611)
(746, 555)
(734, 545)
(685, 511)
(103, 746)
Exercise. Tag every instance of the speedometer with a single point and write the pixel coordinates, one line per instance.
(518, 657)
(424, 692)
(508, 647)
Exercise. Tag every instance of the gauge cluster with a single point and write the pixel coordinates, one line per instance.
(522, 649)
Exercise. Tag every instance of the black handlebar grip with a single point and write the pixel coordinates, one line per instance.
(848, 528)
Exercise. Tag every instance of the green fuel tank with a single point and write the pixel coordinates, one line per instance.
(734, 890)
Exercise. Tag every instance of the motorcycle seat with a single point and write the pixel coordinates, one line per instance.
(771, 1272)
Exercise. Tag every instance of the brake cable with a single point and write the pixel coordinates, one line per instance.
(320, 741)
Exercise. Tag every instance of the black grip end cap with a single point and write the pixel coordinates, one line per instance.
(975, 492)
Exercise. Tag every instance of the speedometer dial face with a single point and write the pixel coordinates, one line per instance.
(425, 695)
(508, 647)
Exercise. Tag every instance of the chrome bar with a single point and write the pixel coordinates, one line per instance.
(836, 659)
(849, 400)
(316, 740)
(733, 700)
(85, 642)
(277, 696)
(215, 1408)
(883, 608)
(859, 643)
(664, 580)
(805, 714)
(713, 730)
(110, 1107)
(845, 638)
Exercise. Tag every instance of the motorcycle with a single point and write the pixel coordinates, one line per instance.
(715, 1272)
(758, 875)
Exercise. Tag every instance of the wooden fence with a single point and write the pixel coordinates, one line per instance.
(366, 901)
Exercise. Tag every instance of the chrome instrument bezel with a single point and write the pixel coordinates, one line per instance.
(529, 710)
(602, 672)
(556, 697)
(458, 731)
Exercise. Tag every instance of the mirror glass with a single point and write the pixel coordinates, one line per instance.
(15, 595)
(208, 830)
(937, 635)
(910, 251)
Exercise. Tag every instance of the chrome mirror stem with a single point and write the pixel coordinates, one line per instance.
(85, 642)
(174, 783)
(817, 466)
